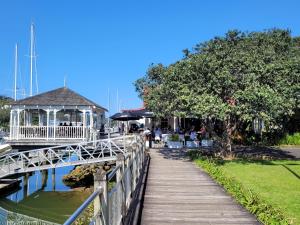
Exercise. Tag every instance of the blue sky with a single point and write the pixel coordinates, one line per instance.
(101, 45)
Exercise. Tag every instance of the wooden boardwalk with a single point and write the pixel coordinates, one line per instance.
(180, 193)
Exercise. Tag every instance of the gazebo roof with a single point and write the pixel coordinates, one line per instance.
(58, 97)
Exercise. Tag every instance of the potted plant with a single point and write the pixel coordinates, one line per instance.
(207, 143)
(174, 141)
(192, 143)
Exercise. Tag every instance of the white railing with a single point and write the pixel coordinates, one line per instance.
(66, 155)
(111, 206)
(13, 218)
(50, 132)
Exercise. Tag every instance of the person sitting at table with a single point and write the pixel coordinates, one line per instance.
(193, 135)
(157, 134)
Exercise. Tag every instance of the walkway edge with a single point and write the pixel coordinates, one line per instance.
(134, 214)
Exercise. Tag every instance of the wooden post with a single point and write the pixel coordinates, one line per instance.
(53, 179)
(120, 173)
(127, 166)
(26, 185)
(133, 169)
(101, 202)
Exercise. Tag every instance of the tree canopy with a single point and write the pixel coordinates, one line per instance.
(234, 78)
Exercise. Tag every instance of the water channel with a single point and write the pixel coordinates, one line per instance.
(45, 196)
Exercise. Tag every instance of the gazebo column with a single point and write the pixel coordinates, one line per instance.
(54, 125)
(91, 124)
(48, 114)
(11, 124)
(91, 120)
(24, 117)
(18, 123)
(83, 122)
(15, 124)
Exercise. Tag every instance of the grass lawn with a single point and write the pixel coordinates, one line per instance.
(277, 182)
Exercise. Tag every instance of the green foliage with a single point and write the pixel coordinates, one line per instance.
(233, 79)
(288, 139)
(265, 212)
(86, 216)
(174, 137)
(4, 111)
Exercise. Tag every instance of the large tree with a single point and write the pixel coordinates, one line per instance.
(233, 79)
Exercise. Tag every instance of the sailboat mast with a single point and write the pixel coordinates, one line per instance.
(16, 71)
(31, 55)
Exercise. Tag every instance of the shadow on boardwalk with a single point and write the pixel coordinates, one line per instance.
(266, 152)
(174, 154)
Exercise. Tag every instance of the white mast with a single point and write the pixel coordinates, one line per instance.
(31, 56)
(16, 71)
(118, 108)
(108, 114)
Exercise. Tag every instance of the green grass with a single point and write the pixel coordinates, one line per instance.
(290, 139)
(268, 189)
(275, 186)
(277, 182)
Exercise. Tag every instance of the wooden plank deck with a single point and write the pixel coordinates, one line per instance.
(180, 193)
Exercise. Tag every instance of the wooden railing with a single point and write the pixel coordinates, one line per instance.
(114, 191)
(50, 132)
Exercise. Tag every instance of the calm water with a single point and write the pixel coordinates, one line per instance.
(45, 196)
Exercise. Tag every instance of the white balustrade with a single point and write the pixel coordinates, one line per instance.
(57, 132)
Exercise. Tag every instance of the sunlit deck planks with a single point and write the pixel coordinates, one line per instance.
(178, 192)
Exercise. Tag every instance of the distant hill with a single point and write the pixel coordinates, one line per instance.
(5, 98)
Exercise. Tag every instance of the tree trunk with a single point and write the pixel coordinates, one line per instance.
(229, 128)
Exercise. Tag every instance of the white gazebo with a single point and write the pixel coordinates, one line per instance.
(55, 117)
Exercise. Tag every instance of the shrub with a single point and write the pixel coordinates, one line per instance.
(290, 139)
(266, 213)
(174, 137)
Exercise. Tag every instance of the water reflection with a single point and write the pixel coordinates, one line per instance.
(45, 180)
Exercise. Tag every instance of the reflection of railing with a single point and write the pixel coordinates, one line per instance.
(12, 218)
(50, 132)
(111, 207)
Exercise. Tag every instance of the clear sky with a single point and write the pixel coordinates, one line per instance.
(101, 45)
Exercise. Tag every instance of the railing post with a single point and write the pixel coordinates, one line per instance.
(101, 202)
(120, 174)
(133, 170)
(124, 143)
(127, 166)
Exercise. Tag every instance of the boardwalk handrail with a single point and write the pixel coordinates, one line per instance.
(65, 155)
(111, 206)
(83, 206)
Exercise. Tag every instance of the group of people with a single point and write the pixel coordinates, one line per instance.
(192, 134)
(189, 134)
